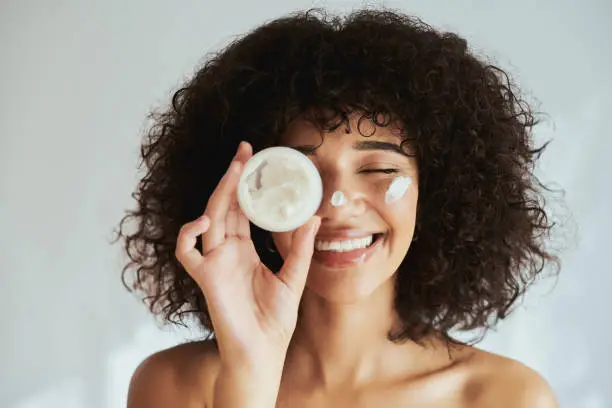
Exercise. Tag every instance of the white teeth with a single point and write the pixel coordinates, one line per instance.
(344, 246)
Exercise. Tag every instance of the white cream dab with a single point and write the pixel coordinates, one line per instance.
(338, 199)
(397, 188)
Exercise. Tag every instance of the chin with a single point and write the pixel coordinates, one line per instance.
(347, 285)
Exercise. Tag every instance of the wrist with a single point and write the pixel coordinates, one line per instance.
(250, 386)
(257, 368)
(254, 359)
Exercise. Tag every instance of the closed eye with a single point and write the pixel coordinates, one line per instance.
(384, 171)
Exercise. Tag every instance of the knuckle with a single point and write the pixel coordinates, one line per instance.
(178, 254)
(183, 229)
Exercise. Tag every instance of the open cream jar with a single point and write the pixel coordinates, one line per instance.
(280, 189)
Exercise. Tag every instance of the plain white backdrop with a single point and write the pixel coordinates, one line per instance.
(77, 79)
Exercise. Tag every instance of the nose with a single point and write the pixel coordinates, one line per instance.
(348, 199)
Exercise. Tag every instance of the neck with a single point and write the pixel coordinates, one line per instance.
(347, 344)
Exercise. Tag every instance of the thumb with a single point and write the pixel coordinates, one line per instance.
(295, 269)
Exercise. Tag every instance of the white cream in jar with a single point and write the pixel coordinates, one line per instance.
(280, 189)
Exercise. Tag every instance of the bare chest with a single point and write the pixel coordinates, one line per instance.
(420, 394)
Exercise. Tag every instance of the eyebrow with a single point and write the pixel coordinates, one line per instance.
(378, 145)
(362, 145)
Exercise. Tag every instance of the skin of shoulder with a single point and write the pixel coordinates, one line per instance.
(181, 376)
(185, 375)
(502, 382)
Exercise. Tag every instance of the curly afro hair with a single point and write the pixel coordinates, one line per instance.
(481, 225)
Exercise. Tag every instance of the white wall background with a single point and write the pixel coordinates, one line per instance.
(76, 81)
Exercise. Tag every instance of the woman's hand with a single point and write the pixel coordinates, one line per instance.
(253, 311)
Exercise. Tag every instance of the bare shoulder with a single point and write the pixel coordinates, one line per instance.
(499, 381)
(183, 375)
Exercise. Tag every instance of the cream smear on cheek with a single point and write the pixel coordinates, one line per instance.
(397, 189)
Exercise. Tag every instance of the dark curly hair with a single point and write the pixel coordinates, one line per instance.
(481, 225)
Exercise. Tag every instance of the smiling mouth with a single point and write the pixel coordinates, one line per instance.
(348, 245)
(346, 253)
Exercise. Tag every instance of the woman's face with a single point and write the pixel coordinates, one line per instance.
(367, 228)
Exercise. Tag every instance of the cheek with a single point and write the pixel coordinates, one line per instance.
(399, 202)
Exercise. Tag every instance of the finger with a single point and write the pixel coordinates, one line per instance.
(236, 223)
(295, 269)
(244, 153)
(186, 251)
(223, 200)
(231, 223)
(244, 227)
(232, 217)
(219, 204)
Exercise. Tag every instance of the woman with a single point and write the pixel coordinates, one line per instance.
(358, 306)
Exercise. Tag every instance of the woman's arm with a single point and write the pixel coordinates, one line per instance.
(239, 387)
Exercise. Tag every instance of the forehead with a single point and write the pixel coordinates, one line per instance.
(302, 131)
